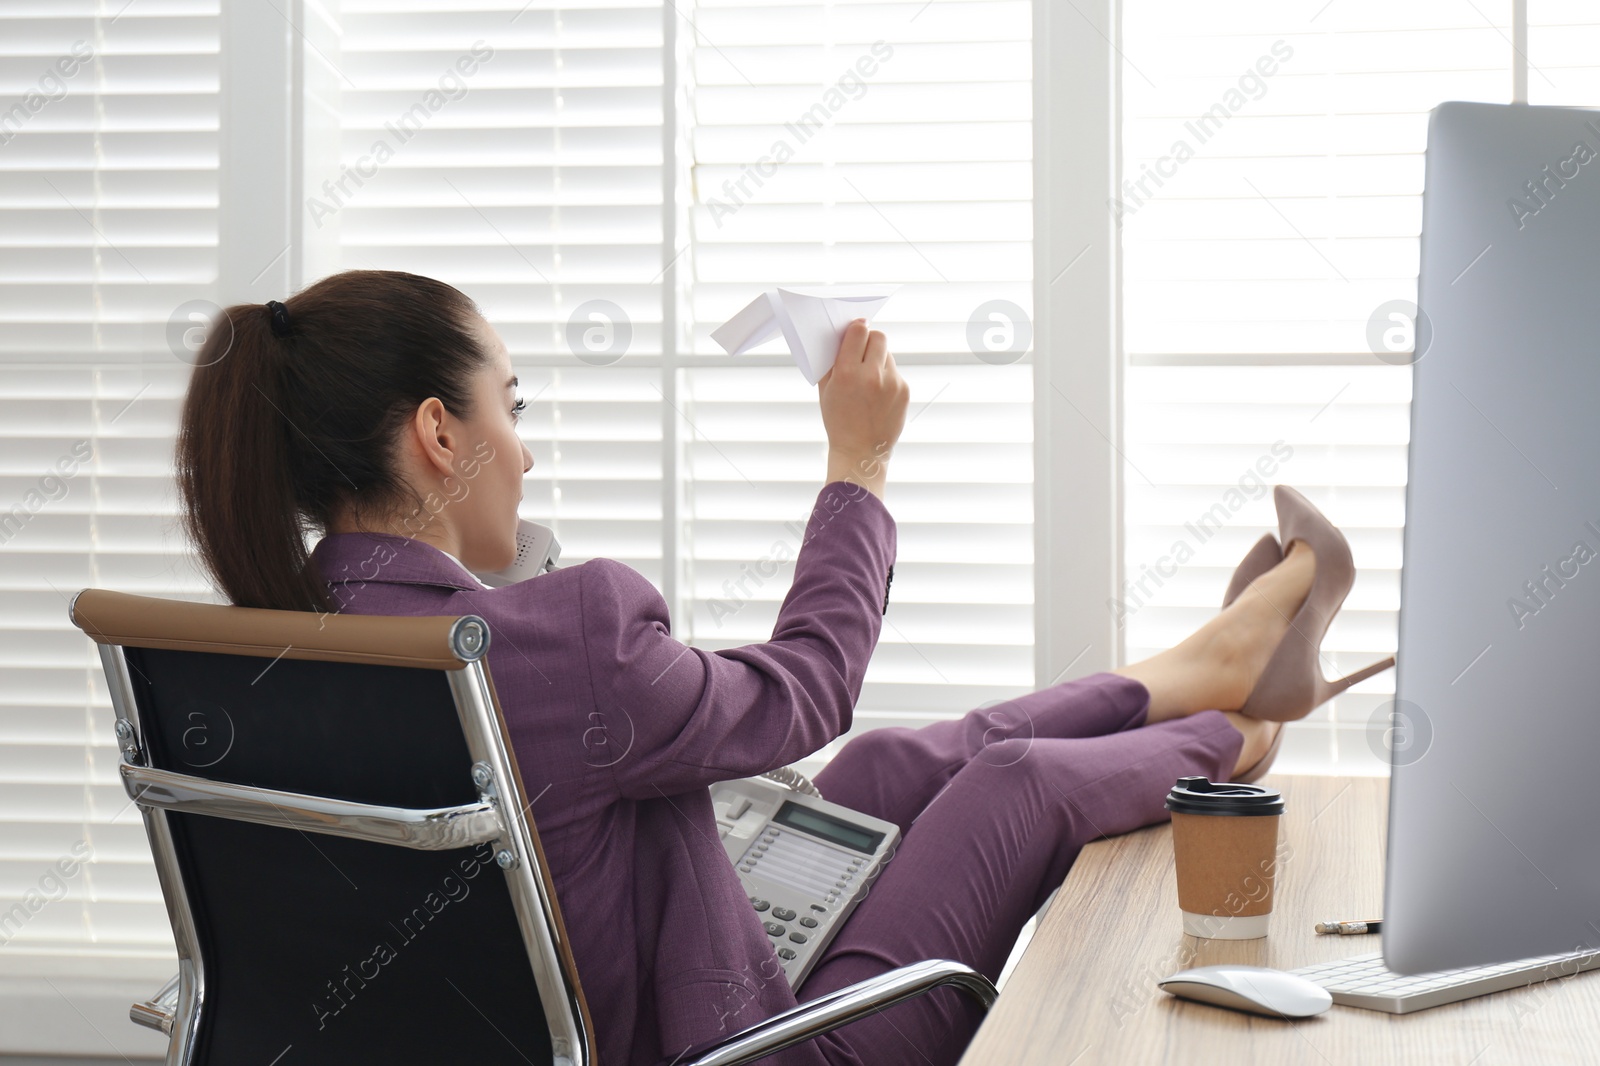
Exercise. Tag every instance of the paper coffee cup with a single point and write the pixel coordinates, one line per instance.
(1225, 844)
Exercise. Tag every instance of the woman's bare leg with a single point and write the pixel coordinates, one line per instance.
(1217, 665)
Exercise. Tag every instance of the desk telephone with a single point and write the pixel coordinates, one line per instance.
(804, 862)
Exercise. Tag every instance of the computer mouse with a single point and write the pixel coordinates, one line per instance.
(1272, 993)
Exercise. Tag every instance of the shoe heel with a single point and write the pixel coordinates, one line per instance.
(1331, 689)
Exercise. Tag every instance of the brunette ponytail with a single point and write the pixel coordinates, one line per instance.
(292, 413)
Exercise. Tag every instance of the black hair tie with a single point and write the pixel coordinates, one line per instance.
(280, 318)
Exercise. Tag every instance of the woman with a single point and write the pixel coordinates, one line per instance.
(379, 409)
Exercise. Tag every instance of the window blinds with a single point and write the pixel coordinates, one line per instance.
(108, 192)
(1563, 36)
(1273, 202)
(535, 187)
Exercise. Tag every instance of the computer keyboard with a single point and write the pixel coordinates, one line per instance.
(1364, 981)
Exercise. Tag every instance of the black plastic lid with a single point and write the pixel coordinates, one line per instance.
(1197, 795)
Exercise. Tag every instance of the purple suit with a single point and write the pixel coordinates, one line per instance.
(619, 730)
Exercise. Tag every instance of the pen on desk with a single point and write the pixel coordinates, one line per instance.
(1350, 928)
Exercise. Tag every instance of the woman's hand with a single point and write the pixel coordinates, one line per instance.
(864, 402)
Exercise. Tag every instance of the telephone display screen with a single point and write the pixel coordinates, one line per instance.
(827, 827)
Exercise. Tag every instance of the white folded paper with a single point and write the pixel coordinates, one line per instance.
(812, 321)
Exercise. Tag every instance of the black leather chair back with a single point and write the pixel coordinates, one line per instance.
(321, 949)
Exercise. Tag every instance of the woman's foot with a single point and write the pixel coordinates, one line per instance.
(1217, 665)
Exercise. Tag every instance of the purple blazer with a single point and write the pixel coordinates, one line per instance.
(619, 730)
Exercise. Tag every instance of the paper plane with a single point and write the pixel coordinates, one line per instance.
(812, 321)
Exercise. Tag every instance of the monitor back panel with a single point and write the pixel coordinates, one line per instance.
(1494, 836)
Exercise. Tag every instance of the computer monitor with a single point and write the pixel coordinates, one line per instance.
(1494, 813)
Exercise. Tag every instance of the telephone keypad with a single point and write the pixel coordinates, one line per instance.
(774, 929)
(758, 903)
(798, 938)
(783, 914)
(809, 922)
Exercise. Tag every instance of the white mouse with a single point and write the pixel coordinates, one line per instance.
(1273, 993)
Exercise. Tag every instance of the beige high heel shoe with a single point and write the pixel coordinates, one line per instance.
(1292, 683)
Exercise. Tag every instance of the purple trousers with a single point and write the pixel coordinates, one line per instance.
(993, 808)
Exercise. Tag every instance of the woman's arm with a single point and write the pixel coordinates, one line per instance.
(675, 718)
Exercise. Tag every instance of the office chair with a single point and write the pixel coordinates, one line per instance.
(346, 852)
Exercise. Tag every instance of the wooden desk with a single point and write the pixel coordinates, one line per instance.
(1084, 991)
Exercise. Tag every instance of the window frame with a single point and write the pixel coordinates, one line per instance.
(1077, 338)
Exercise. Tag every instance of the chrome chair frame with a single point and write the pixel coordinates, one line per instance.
(497, 818)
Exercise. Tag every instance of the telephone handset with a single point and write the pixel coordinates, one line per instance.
(537, 552)
(793, 779)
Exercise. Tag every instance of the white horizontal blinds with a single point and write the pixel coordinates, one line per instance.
(850, 144)
(107, 174)
(863, 142)
(595, 435)
(1294, 149)
(1563, 41)
(108, 192)
(514, 151)
(86, 475)
(1274, 166)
